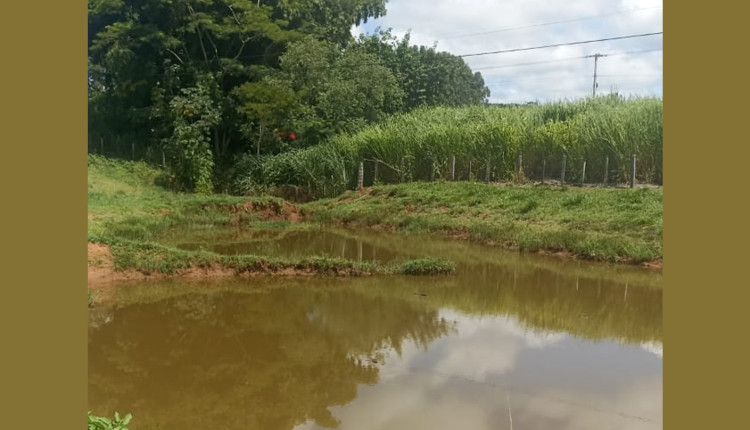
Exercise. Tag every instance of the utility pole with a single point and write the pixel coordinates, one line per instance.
(596, 60)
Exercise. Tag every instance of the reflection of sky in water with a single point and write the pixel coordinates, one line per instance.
(550, 381)
(529, 349)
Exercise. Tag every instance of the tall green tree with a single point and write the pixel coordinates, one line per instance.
(428, 77)
(271, 102)
(245, 68)
(144, 53)
(344, 89)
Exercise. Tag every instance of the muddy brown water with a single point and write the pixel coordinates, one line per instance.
(509, 342)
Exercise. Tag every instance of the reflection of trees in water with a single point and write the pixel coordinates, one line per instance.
(587, 307)
(266, 361)
(541, 299)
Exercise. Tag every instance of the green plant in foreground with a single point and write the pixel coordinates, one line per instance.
(103, 423)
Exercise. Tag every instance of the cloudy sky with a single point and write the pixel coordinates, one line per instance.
(632, 66)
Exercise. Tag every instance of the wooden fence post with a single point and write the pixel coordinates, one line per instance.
(375, 173)
(583, 173)
(606, 170)
(632, 171)
(453, 168)
(361, 175)
(562, 172)
(403, 168)
(544, 167)
(519, 166)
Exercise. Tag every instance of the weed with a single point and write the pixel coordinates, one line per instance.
(103, 423)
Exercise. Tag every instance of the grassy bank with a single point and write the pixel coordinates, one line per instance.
(595, 224)
(131, 214)
(128, 212)
(125, 201)
(153, 258)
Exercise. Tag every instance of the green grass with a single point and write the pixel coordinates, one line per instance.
(154, 258)
(596, 224)
(427, 266)
(149, 257)
(133, 215)
(129, 211)
(124, 201)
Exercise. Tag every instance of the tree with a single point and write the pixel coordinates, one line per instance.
(427, 77)
(144, 53)
(194, 115)
(245, 67)
(270, 102)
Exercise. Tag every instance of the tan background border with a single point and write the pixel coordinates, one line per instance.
(44, 224)
(706, 305)
(43, 178)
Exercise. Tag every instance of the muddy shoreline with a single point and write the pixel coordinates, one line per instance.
(102, 272)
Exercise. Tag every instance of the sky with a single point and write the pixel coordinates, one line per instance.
(463, 27)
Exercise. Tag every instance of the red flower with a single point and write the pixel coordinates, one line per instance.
(292, 136)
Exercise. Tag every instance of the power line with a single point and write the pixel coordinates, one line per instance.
(529, 63)
(561, 44)
(577, 78)
(547, 23)
(643, 75)
(558, 60)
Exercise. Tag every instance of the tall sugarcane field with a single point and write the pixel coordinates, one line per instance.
(593, 140)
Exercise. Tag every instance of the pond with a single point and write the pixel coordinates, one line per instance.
(511, 341)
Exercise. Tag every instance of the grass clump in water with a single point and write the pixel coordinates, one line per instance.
(427, 266)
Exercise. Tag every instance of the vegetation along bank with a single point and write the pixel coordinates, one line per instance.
(129, 211)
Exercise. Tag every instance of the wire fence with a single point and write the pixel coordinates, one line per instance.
(614, 171)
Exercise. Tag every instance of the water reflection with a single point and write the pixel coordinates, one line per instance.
(289, 244)
(267, 361)
(493, 372)
(511, 338)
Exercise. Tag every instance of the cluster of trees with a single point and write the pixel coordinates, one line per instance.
(203, 81)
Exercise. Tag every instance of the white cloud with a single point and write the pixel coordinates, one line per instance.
(455, 26)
